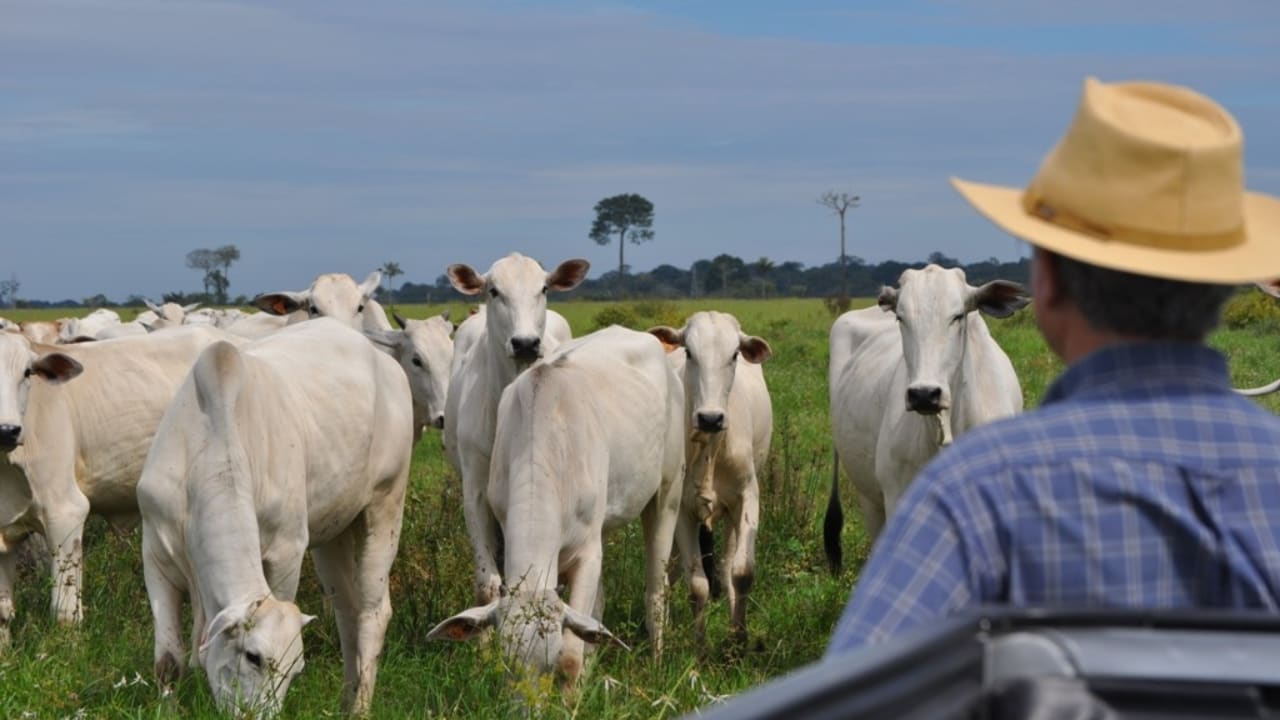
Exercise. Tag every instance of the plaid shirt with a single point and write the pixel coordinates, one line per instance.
(1142, 481)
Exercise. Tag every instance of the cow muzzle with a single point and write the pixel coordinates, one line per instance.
(924, 399)
(710, 421)
(10, 437)
(526, 349)
(438, 422)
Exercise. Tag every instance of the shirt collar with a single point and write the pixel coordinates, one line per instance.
(1115, 369)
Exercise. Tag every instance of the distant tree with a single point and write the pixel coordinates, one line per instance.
(630, 217)
(840, 203)
(9, 291)
(215, 263)
(96, 301)
(390, 271)
(727, 266)
(761, 269)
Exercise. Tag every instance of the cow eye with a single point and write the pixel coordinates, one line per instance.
(493, 292)
(544, 289)
(360, 309)
(417, 361)
(898, 318)
(734, 359)
(27, 373)
(688, 355)
(313, 311)
(254, 659)
(957, 318)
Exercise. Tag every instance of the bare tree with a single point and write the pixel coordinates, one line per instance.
(390, 271)
(9, 291)
(840, 203)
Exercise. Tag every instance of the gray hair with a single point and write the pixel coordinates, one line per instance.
(1141, 305)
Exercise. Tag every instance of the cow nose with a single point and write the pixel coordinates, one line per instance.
(438, 423)
(710, 421)
(525, 348)
(926, 399)
(9, 435)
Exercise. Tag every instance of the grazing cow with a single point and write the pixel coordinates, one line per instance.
(87, 328)
(333, 295)
(586, 441)
(513, 334)
(425, 351)
(68, 449)
(300, 439)
(907, 377)
(728, 421)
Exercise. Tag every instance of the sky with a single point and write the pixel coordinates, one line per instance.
(332, 136)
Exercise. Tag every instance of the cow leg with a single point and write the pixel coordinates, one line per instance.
(8, 572)
(659, 520)
(375, 549)
(483, 530)
(64, 528)
(166, 611)
(583, 584)
(872, 514)
(335, 563)
(691, 558)
(742, 555)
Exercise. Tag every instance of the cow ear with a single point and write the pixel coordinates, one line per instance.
(56, 367)
(589, 629)
(281, 303)
(754, 349)
(228, 621)
(370, 284)
(154, 307)
(670, 337)
(189, 308)
(467, 624)
(399, 320)
(888, 300)
(445, 316)
(465, 280)
(567, 275)
(999, 298)
(386, 339)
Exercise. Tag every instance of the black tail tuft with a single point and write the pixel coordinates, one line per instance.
(707, 546)
(833, 523)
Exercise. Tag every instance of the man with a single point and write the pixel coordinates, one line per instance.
(1142, 480)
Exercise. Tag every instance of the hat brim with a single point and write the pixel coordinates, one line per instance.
(1255, 259)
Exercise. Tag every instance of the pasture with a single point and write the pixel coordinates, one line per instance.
(103, 669)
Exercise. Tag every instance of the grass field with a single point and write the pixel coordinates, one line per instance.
(103, 669)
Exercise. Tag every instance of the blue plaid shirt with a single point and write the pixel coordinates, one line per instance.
(1142, 481)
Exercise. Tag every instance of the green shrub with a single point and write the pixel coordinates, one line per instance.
(1251, 308)
(614, 315)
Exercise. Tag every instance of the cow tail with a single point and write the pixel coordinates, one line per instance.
(219, 375)
(833, 523)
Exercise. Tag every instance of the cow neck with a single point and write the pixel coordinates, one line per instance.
(223, 534)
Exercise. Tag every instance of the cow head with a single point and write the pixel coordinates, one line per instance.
(713, 344)
(933, 308)
(424, 349)
(20, 366)
(530, 626)
(516, 304)
(251, 652)
(169, 314)
(333, 295)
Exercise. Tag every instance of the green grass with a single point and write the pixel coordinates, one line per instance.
(104, 668)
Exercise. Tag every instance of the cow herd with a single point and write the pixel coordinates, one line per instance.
(241, 441)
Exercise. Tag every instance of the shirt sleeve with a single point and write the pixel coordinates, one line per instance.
(918, 571)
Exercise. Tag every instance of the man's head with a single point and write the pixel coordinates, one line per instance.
(1140, 216)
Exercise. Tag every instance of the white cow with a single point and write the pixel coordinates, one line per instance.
(169, 314)
(69, 449)
(7, 325)
(908, 376)
(373, 316)
(425, 352)
(586, 441)
(44, 332)
(260, 324)
(87, 328)
(514, 332)
(333, 295)
(729, 422)
(299, 440)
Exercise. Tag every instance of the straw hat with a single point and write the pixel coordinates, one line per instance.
(1149, 179)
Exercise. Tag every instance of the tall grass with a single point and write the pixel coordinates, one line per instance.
(103, 669)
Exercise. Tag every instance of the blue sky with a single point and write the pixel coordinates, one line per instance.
(323, 136)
